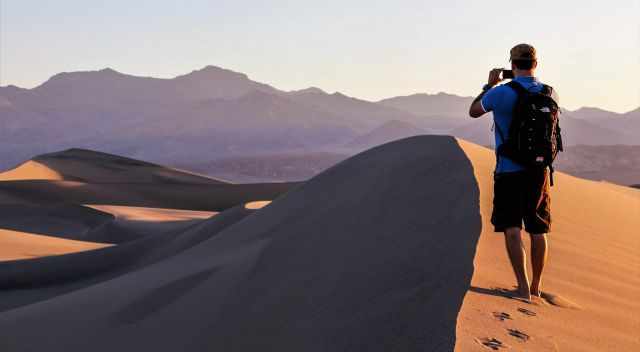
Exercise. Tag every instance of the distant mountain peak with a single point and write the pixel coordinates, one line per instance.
(76, 76)
(109, 71)
(446, 94)
(591, 109)
(591, 113)
(310, 90)
(214, 72)
(103, 72)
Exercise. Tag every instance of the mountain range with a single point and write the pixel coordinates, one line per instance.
(218, 112)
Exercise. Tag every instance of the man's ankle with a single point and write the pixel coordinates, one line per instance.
(535, 290)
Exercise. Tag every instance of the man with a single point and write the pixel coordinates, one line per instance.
(520, 194)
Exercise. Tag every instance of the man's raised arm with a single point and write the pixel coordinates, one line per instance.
(476, 109)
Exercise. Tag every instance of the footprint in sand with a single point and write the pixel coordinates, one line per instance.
(512, 294)
(492, 343)
(527, 312)
(558, 301)
(502, 316)
(545, 298)
(504, 291)
(518, 334)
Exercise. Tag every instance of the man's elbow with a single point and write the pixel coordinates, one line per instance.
(475, 113)
(476, 109)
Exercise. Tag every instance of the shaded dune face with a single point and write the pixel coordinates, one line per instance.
(214, 197)
(375, 253)
(24, 282)
(359, 251)
(60, 220)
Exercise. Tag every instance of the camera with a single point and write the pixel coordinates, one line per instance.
(507, 74)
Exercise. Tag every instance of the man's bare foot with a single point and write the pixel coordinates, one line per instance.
(523, 292)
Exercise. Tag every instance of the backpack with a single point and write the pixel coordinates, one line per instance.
(533, 139)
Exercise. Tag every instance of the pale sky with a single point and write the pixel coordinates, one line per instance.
(588, 50)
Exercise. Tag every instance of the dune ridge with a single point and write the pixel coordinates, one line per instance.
(99, 199)
(16, 245)
(90, 166)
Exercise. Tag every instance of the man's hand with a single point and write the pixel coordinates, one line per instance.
(494, 76)
(476, 109)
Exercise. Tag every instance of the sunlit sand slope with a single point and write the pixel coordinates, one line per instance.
(591, 282)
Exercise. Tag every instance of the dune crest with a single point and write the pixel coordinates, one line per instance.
(151, 214)
(82, 165)
(31, 170)
(257, 204)
(16, 245)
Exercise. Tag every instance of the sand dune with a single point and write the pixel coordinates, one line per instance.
(288, 279)
(388, 250)
(131, 223)
(151, 214)
(214, 197)
(31, 170)
(95, 167)
(59, 220)
(80, 176)
(15, 245)
(24, 282)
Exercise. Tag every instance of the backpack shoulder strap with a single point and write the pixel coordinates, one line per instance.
(548, 91)
(520, 90)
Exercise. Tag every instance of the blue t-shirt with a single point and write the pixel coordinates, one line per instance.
(501, 100)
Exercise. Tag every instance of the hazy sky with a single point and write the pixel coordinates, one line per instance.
(589, 50)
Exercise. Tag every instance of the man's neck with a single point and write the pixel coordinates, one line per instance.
(523, 73)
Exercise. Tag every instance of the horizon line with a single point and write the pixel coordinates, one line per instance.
(210, 66)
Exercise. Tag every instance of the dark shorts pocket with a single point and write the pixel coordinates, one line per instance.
(538, 218)
(522, 196)
(507, 196)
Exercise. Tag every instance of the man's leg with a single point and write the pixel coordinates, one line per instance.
(518, 258)
(538, 259)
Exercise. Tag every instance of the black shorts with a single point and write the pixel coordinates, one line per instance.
(522, 196)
